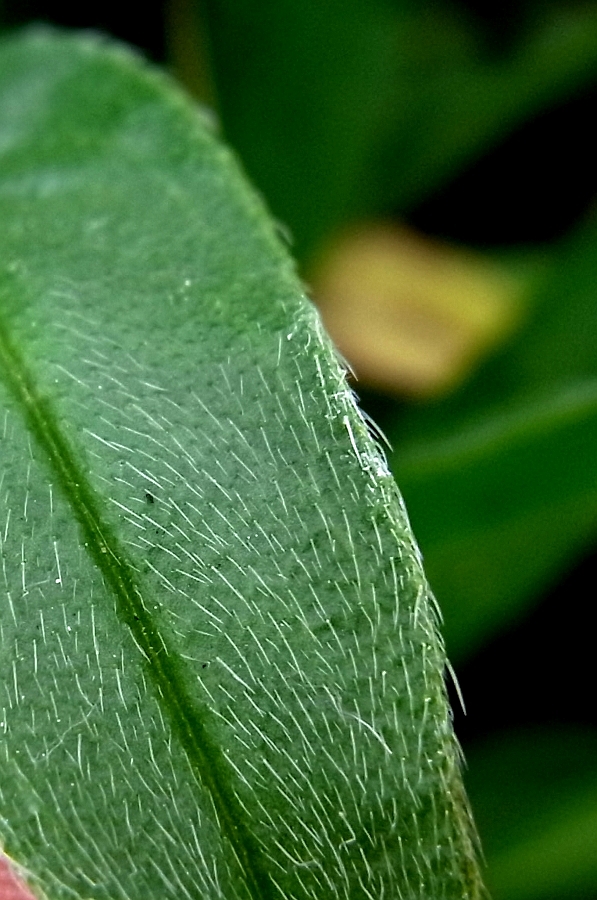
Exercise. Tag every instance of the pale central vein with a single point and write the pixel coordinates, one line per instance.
(165, 667)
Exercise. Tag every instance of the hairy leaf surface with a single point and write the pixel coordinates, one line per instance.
(221, 675)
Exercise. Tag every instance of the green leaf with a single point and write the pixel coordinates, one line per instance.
(221, 675)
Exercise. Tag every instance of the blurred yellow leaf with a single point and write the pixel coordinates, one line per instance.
(410, 314)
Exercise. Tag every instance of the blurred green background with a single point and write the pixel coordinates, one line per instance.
(432, 165)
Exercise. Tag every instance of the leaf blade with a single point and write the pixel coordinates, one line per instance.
(195, 468)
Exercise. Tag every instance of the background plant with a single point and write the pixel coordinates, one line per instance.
(348, 112)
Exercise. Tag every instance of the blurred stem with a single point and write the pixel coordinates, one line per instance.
(187, 47)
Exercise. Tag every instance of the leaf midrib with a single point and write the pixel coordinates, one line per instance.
(164, 666)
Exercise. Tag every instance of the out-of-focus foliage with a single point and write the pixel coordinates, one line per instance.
(540, 826)
(351, 107)
(500, 478)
